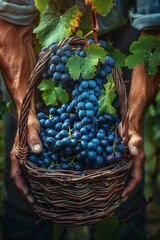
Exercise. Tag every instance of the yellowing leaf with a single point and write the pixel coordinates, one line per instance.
(103, 7)
(54, 28)
(40, 5)
(88, 2)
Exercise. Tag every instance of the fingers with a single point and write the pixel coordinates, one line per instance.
(33, 139)
(134, 144)
(17, 177)
(136, 173)
(23, 188)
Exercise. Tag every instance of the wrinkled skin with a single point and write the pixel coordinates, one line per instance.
(17, 60)
(142, 92)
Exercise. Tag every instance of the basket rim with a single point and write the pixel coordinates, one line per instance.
(75, 176)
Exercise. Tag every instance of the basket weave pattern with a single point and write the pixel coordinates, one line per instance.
(64, 196)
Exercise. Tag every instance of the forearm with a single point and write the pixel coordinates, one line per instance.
(142, 92)
(17, 59)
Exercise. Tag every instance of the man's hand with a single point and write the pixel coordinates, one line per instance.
(17, 174)
(136, 150)
(33, 139)
(17, 60)
(142, 92)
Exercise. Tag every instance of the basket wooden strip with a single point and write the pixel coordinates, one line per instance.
(122, 94)
(23, 149)
(64, 196)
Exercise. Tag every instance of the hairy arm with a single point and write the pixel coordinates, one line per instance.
(17, 60)
(143, 90)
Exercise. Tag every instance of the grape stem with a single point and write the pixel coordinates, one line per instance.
(89, 33)
(95, 26)
(86, 11)
(93, 21)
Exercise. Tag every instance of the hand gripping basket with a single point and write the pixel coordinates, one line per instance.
(62, 196)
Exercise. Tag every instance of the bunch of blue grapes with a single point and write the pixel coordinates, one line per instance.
(57, 69)
(75, 136)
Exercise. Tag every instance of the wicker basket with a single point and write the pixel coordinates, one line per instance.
(63, 196)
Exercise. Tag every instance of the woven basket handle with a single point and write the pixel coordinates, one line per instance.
(23, 148)
(123, 100)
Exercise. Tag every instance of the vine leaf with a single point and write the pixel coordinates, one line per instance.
(117, 55)
(53, 27)
(40, 5)
(146, 50)
(48, 23)
(86, 66)
(107, 97)
(5, 107)
(101, 7)
(52, 95)
(53, 5)
(75, 66)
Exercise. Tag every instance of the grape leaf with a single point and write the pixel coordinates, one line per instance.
(40, 5)
(154, 61)
(86, 66)
(145, 50)
(79, 33)
(54, 27)
(107, 97)
(75, 66)
(117, 55)
(52, 95)
(101, 7)
(5, 107)
(46, 27)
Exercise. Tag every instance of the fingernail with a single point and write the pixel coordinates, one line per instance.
(124, 199)
(135, 150)
(37, 147)
(26, 191)
(31, 199)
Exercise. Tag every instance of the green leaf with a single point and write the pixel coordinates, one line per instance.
(116, 54)
(133, 60)
(5, 107)
(86, 66)
(115, 227)
(41, 5)
(79, 33)
(53, 27)
(154, 61)
(52, 95)
(75, 66)
(145, 50)
(107, 97)
(46, 27)
(101, 7)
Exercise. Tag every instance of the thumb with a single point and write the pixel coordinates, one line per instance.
(34, 141)
(134, 144)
